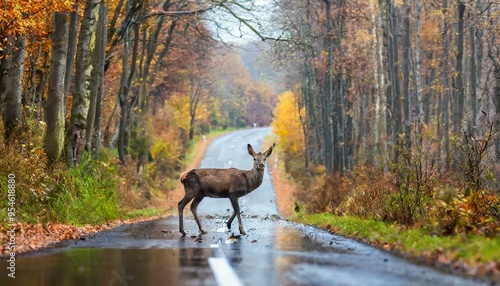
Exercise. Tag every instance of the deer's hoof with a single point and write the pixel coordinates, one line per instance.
(242, 231)
(203, 231)
(183, 232)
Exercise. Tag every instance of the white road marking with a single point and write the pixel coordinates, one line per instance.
(224, 274)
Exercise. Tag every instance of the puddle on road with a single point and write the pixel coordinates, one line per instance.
(84, 266)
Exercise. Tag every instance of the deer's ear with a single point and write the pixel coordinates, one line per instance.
(268, 151)
(250, 150)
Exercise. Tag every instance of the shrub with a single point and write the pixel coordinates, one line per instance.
(368, 193)
(328, 196)
(82, 194)
(415, 175)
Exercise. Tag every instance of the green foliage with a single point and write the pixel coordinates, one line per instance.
(145, 212)
(86, 194)
(83, 194)
(167, 156)
(140, 142)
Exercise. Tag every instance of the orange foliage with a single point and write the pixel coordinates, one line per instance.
(28, 17)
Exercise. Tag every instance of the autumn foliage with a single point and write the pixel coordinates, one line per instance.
(287, 124)
(148, 80)
(398, 103)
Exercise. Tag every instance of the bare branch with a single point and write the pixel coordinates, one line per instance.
(180, 13)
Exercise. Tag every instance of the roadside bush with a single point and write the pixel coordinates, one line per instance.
(477, 158)
(328, 196)
(480, 201)
(368, 193)
(26, 160)
(79, 195)
(166, 162)
(415, 175)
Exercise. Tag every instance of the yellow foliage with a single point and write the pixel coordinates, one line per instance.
(286, 123)
(180, 107)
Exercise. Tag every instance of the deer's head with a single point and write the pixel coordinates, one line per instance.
(259, 158)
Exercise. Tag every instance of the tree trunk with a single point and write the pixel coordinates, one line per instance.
(73, 28)
(128, 75)
(194, 99)
(101, 53)
(40, 89)
(95, 75)
(406, 72)
(446, 92)
(80, 105)
(473, 73)
(54, 138)
(342, 82)
(496, 99)
(459, 88)
(123, 98)
(395, 103)
(14, 88)
(29, 98)
(418, 77)
(328, 92)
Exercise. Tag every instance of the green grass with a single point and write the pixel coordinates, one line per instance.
(85, 194)
(148, 212)
(417, 241)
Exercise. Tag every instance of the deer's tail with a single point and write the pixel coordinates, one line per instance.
(183, 176)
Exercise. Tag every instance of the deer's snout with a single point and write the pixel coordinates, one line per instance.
(261, 165)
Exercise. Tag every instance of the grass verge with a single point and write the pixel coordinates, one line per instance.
(474, 254)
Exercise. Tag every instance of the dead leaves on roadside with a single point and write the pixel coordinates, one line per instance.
(30, 237)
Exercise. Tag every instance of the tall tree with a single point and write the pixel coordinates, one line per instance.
(379, 74)
(72, 38)
(327, 95)
(75, 139)
(419, 116)
(444, 78)
(100, 54)
(54, 137)
(12, 82)
(459, 78)
(406, 72)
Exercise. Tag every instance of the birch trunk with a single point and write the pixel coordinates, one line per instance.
(80, 104)
(418, 77)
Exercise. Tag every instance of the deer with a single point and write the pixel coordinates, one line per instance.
(229, 183)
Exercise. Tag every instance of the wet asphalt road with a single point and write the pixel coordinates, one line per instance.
(274, 251)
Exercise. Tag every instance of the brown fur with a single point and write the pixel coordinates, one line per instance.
(221, 183)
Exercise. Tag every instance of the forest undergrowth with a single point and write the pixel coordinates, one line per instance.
(414, 208)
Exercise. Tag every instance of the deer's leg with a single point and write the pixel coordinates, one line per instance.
(236, 207)
(187, 198)
(230, 221)
(194, 206)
